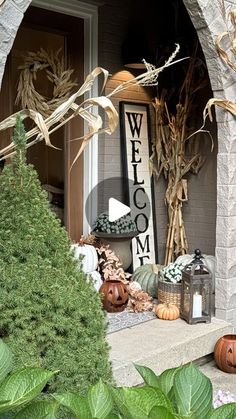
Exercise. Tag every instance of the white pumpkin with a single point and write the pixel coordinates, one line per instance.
(208, 260)
(90, 259)
(97, 279)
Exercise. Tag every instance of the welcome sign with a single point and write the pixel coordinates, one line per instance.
(135, 152)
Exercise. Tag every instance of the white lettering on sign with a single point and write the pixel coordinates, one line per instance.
(140, 192)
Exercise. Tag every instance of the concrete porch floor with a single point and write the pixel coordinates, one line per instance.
(160, 344)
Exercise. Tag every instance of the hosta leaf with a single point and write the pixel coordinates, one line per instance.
(149, 377)
(5, 360)
(76, 404)
(227, 411)
(166, 379)
(140, 401)
(193, 392)
(100, 400)
(22, 386)
(38, 410)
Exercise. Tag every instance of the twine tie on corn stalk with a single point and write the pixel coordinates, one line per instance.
(69, 109)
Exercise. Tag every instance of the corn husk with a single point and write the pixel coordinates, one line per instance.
(69, 109)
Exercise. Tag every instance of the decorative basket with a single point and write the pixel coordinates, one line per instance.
(169, 293)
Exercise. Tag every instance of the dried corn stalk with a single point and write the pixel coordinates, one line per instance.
(70, 109)
(169, 157)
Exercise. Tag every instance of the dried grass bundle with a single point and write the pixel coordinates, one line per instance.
(169, 157)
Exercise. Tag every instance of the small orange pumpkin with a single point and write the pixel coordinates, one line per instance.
(167, 311)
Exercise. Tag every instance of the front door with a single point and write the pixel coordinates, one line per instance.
(52, 32)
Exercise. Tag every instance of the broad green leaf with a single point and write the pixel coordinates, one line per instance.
(76, 404)
(7, 415)
(166, 379)
(38, 410)
(193, 392)
(113, 416)
(119, 399)
(100, 400)
(139, 401)
(22, 386)
(5, 360)
(160, 412)
(149, 377)
(227, 411)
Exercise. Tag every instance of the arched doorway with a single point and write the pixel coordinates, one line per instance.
(208, 22)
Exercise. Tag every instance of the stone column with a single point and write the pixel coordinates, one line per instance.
(11, 15)
(208, 21)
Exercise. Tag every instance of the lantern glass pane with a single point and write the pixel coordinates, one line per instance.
(186, 299)
(197, 290)
(206, 304)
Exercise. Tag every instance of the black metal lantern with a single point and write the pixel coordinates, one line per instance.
(196, 291)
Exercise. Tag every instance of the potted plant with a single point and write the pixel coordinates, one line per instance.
(118, 234)
(169, 284)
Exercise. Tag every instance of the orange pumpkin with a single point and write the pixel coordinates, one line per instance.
(167, 311)
(225, 353)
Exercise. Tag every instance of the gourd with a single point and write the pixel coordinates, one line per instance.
(208, 260)
(147, 277)
(90, 259)
(167, 311)
(97, 279)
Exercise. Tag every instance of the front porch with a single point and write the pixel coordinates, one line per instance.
(160, 345)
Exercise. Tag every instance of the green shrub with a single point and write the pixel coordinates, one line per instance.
(178, 393)
(51, 317)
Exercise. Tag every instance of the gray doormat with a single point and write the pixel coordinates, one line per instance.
(124, 320)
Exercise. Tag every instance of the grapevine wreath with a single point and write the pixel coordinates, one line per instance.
(53, 63)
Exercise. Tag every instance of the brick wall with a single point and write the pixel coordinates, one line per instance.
(200, 211)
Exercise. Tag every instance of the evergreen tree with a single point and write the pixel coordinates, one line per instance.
(50, 316)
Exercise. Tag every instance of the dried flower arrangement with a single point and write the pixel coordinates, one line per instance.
(139, 300)
(109, 265)
(170, 154)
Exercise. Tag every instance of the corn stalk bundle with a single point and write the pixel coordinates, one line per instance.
(169, 157)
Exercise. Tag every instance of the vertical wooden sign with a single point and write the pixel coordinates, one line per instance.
(135, 151)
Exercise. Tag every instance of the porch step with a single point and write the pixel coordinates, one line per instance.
(160, 344)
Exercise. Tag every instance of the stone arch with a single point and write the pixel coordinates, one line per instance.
(208, 22)
(12, 12)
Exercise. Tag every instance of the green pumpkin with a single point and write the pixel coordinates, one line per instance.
(147, 277)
